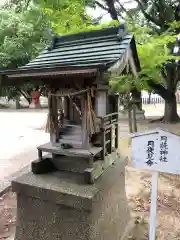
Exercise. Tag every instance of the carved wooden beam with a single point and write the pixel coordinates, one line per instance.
(120, 65)
(132, 63)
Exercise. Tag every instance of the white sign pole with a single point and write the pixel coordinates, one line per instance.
(152, 228)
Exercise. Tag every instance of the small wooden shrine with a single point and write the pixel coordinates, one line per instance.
(83, 119)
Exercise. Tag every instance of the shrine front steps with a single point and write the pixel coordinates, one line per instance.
(71, 134)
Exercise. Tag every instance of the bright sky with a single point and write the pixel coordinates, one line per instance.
(98, 11)
(2, 1)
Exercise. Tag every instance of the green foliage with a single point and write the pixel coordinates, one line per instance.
(22, 36)
(12, 92)
(63, 15)
(70, 17)
(26, 27)
(91, 27)
(66, 16)
(153, 53)
(122, 84)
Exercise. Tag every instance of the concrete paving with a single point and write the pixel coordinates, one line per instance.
(156, 110)
(20, 133)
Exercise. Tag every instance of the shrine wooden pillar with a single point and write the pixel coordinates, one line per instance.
(135, 93)
(117, 130)
(101, 101)
(53, 116)
(65, 106)
(84, 127)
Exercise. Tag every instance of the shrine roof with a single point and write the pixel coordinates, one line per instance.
(86, 51)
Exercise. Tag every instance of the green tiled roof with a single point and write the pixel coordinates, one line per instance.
(95, 49)
(84, 49)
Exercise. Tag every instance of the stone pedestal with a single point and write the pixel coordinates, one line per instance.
(59, 206)
(140, 114)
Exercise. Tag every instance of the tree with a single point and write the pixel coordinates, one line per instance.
(160, 71)
(22, 36)
(25, 30)
(163, 17)
(63, 16)
(70, 16)
(155, 13)
(158, 16)
(26, 27)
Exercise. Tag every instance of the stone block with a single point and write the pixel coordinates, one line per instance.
(59, 206)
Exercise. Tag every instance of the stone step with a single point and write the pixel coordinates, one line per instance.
(74, 137)
(74, 143)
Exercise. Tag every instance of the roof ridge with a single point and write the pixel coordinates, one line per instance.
(120, 31)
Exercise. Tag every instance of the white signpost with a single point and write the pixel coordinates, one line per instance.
(158, 151)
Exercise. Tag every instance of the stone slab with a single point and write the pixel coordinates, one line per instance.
(140, 115)
(64, 187)
(5, 185)
(60, 206)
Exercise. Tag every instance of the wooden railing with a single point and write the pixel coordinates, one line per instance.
(110, 132)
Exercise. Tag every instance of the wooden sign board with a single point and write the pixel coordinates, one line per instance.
(157, 150)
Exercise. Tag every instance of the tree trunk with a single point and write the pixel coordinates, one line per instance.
(170, 110)
(149, 97)
(26, 95)
(111, 9)
(170, 73)
(17, 101)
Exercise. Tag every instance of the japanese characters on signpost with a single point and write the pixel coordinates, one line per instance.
(156, 151)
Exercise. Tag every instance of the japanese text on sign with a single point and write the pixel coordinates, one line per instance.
(150, 153)
(163, 149)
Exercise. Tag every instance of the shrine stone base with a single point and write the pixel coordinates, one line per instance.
(60, 206)
(140, 115)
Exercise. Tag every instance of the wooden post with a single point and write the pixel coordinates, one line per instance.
(65, 107)
(103, 144)
(117, 125)
(55, 116)
(52, 102)
(101, 103)
(134, 118)
(117, 133)
(84, 130)
(110, 136)
(40, 154)
(130, 119)
(17, 100)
